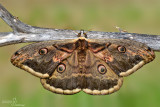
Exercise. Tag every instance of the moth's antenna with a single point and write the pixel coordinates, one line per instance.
(85, 34)
(80, 34)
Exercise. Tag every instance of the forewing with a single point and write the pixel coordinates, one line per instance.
(41, 59)
(123, 56)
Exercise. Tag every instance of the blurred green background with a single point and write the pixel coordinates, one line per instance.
(137, 16)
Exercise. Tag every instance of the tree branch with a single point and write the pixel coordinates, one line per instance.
(25, 33)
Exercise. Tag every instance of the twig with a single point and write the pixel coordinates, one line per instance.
(25, 33)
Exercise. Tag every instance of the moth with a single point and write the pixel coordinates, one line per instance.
(96, 66)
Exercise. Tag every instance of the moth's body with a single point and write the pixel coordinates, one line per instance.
(94, 66)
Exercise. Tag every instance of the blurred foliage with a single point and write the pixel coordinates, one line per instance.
(139, 16)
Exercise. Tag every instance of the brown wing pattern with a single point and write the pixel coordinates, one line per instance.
(39, 59)
(123, 56)
(100, 79)
(66, 82)
(95, 66)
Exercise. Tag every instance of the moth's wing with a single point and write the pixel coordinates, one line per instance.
(66, 82)
(123, 56)
(97, 82)
(42, 64)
